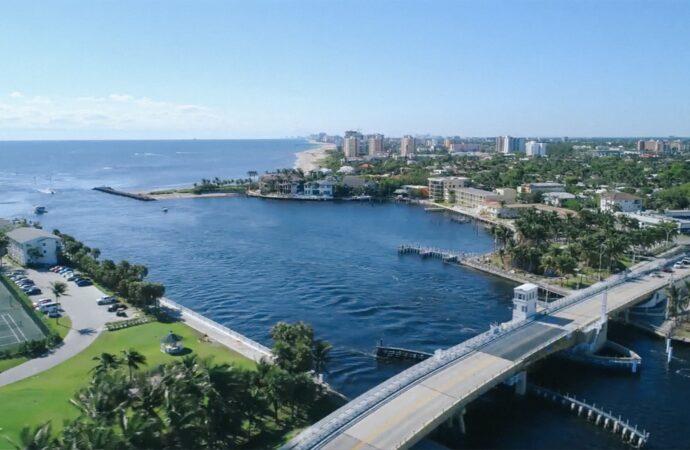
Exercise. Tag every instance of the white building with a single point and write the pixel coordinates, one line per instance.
(507, 144)
(351, 147)
(647, 220)
(407, 146)
(443, 188)
(534, 148)
(375, 145)
(33, 246)
(320, 188)
(525, 301)
(620, 201)
(548, 186)
(557, 198)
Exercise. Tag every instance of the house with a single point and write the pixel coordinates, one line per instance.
(283, 184)
(620, 201)
(548, 186)
(646, 220)
(557, 198)
(354, 181)
(29, 245)
(320, 188)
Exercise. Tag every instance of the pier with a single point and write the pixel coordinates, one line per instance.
(627, 433)
(448, 256)
(109, 190)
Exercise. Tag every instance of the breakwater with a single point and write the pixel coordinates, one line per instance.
(109, 190)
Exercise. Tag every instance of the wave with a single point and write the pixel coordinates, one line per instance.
(147, 154)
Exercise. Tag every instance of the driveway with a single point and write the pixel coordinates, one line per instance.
(88, 321)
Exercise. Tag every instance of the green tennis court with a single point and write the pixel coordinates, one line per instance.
(16, 326)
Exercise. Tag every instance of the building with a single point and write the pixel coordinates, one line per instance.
(647, 220)
(472, 198)
(29, 245)
(620, 201)
(407, 146)
(653, 146)
(375, 145)
(351, 147)
(320, 188)
(525, 301)
(462, 147)
(508, 145)
(443, 188)
(557, 198)
(602, 151)
(548, 186)
(534, 148)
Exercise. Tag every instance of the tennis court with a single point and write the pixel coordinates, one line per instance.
(16, 326)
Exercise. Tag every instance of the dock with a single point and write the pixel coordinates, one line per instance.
(109, 190)
(448, 256)
(401, 353)
(627, 433)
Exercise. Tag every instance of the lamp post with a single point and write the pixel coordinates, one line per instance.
(601, 253)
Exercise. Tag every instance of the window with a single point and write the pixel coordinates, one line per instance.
(523, 309)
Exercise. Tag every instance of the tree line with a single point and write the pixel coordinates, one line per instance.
(126, 279)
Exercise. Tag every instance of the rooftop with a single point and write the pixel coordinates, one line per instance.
(619, 196)
(26, 234)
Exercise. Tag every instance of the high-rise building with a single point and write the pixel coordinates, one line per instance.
(351, 147)
(407, 146)
(507, 144)
(653, 146)
(534, 148)
(375, 145)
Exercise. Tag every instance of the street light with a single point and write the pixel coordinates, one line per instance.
(601, 253)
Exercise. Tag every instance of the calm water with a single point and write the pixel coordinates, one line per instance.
(249, 263)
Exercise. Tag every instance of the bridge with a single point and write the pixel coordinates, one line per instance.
(402, 410)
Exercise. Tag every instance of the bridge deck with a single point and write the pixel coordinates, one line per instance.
(410, 414)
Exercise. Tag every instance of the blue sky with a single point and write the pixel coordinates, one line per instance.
(227, 69)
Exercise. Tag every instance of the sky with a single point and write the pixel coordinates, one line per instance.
(171, 69)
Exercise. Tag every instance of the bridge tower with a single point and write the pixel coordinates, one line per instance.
(525, 301)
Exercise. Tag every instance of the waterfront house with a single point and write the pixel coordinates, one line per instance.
(443, 188)
(320, 188)
(620, 201)
(28, 245)
(286, 184)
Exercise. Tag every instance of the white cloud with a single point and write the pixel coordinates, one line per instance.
(92, 115)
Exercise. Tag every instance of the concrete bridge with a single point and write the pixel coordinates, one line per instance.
(402, 410)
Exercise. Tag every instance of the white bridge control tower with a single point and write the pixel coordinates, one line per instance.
(525, 301)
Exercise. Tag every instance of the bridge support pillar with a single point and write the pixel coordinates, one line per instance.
(521, 383)
(461, 421)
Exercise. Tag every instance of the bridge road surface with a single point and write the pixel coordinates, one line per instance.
(409, 415)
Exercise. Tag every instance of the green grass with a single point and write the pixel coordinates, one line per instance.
(46, 396)
(12, 362)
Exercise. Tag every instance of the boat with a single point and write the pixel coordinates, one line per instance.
(165, 210)
(40, 210)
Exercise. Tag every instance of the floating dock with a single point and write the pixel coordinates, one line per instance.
(627, 433)
(109, 190)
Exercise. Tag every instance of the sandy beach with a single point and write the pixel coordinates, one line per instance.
(308, 159)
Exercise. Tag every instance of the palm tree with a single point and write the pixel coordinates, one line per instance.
(132, 359)
(59, 289)
(321, 355)
(39, 438)
(106, 361)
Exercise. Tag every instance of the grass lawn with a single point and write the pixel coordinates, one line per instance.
(45, 396)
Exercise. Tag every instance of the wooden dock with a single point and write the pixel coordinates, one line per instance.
(109, 190)
(627, 433)
(448, 256)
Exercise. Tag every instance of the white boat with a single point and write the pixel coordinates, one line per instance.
(40, 210)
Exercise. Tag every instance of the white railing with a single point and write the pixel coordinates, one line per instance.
(220, 328)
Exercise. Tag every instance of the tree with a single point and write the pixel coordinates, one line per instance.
(59, 289)
(132, 359)
(38, 438)
(34, 254)
(4, 242)
(292, 345)
(106, 362)
(321, 355)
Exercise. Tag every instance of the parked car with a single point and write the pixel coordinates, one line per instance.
(24, 281)
(122, 306)
(667, 270)
(74, 277)
(56, 268)
(63, 270)
(67, 274)
(121, 313)
(84, 282)
(114, 307)
(678, 265)
(54, 313)
(34, 291)
(107, 300)
(41, 301)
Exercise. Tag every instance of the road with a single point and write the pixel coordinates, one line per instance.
(88, 321)
(407, 416)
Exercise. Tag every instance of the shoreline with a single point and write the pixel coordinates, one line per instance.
(307, 160)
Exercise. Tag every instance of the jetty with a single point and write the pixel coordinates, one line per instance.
(449, 256)
(626, 432)
(109, 190)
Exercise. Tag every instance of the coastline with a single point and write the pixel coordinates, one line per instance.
(307, 160)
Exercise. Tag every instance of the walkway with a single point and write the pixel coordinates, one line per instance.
(88, 321)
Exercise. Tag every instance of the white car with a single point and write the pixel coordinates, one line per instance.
(678, 266)
(107, 300)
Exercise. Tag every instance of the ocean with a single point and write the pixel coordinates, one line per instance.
(249, 263)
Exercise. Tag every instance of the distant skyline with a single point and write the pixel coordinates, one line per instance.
(174, 69)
